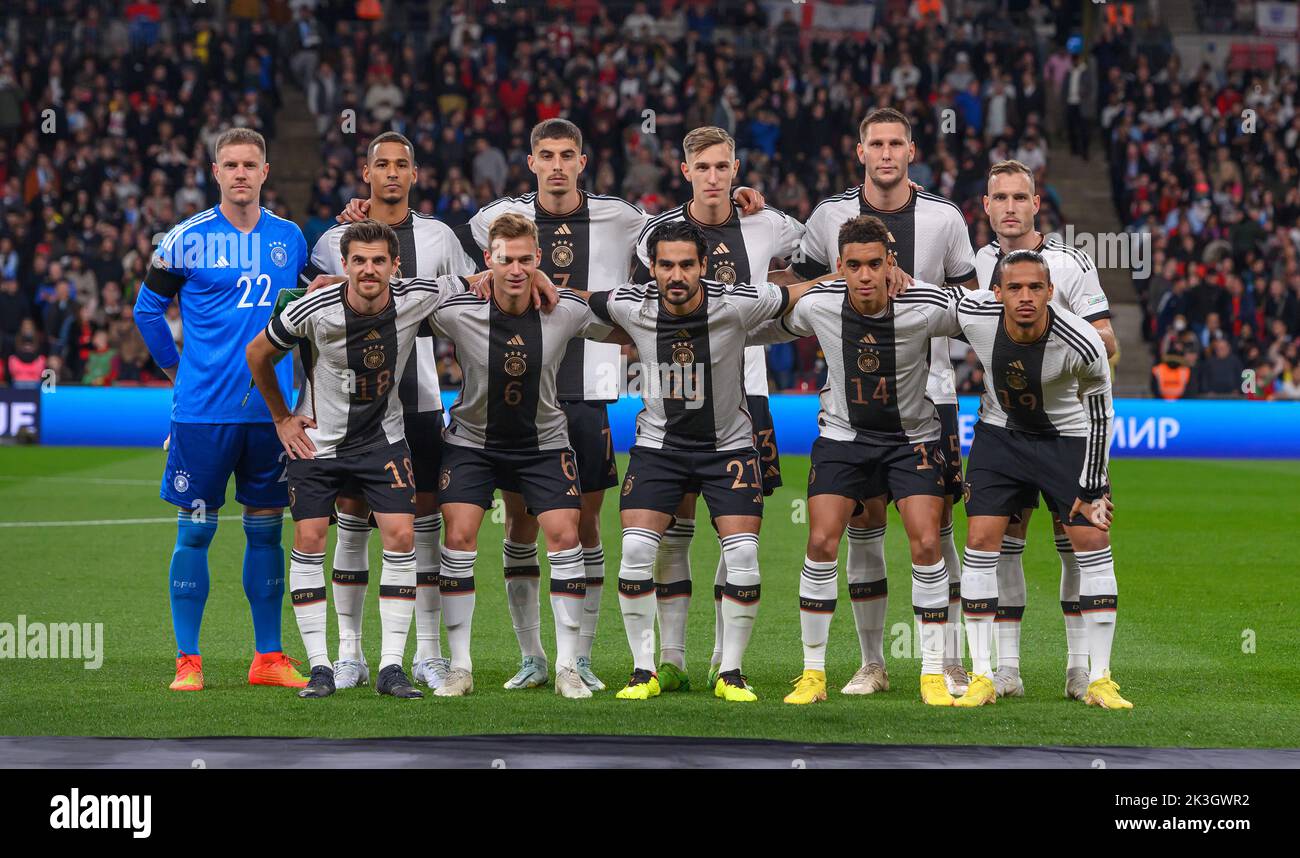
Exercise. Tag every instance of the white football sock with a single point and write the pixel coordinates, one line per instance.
(1011, 602)
(868, 590)
(740, 597)
(673, 590)
(350, 576)
(952, 631)
(1076, 630)
(1098, 600)
(428, 599)
(593, 562)
(307, 594)
(456, 582)
(818, 587)
(396, 605)
(636, 594)
(568, 591)
(979, 594)
(523, 595)
(719, 623)
(930, 607)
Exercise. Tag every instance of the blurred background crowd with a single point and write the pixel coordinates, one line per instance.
(108, 110)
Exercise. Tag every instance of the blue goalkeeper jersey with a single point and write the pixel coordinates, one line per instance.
(226, 283)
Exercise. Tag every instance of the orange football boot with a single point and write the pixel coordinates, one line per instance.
(275, 668)
(189, 673)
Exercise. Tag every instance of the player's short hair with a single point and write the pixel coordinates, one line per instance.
(705, 136)
(389, 137)
(1017, 256)
(676, 230)
(882, 115)
(1011, 167)
(369, 231)
(555, 129)
(864, 229)
(511, 225)
(238, 137)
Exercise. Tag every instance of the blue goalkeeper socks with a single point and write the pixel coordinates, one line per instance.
(264, 578)
(189, 578)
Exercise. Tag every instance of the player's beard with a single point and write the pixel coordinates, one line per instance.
(677, 284)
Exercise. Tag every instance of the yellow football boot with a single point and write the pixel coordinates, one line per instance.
(979, 693)
(934, 691)
(641, 686)
(733, 688)
(810, 687)
(1104, 692)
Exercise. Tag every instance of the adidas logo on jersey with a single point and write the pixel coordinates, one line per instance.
(516, 340)
(721, 248)
(563, 229)
(868, 338)
(682, 334)
(573, 490)
(1015, 364)
(372, 334)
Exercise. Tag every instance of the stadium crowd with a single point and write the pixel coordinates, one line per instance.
(139, 90)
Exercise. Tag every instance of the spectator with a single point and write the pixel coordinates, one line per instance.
(100, 363)
(1171, 378)
(1220, 373)
(27, 363)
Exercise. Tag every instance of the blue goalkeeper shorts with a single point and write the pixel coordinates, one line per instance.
(202, 456)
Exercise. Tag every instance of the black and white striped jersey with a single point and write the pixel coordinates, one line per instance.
(590, 249)
(1059, 385)
(1077, 287)
(427, 248)
(877, 366)
(930, 242)
(354, 363)
(510, 364)
(740, 251)
(692, 369)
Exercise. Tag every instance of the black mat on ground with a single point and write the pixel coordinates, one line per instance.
(576, 751)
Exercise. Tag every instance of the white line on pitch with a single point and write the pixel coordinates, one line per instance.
(98, 481)
(171, 520)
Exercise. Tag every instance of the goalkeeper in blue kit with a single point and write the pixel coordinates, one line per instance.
(224, 266)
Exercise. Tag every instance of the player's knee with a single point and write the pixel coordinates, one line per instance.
(926, 548)
(195, 535)
(823, 546)
(562, 537)
(460, 537)
(639, 550)
(399, 538)
(741, 551)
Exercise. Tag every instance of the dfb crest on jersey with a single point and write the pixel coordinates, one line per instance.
(868, 361)
(374, 357)
(279, 255)
(726, 275)
(562, 255)
(516, 363)
(683, 354)
(1016, 381)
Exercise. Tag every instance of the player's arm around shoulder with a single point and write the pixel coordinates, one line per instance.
(278, 338)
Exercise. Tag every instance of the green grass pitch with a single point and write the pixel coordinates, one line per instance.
(1206, 646)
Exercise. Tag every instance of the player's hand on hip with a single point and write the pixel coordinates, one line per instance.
(1100, 512)
(357, 209)
(293, 436)
(320, 281)
(897, 281)
(749, 200)
(545, 297)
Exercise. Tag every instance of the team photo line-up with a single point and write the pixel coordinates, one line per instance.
(539, 294)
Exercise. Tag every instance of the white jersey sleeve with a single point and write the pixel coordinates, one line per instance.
(1099, 408)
